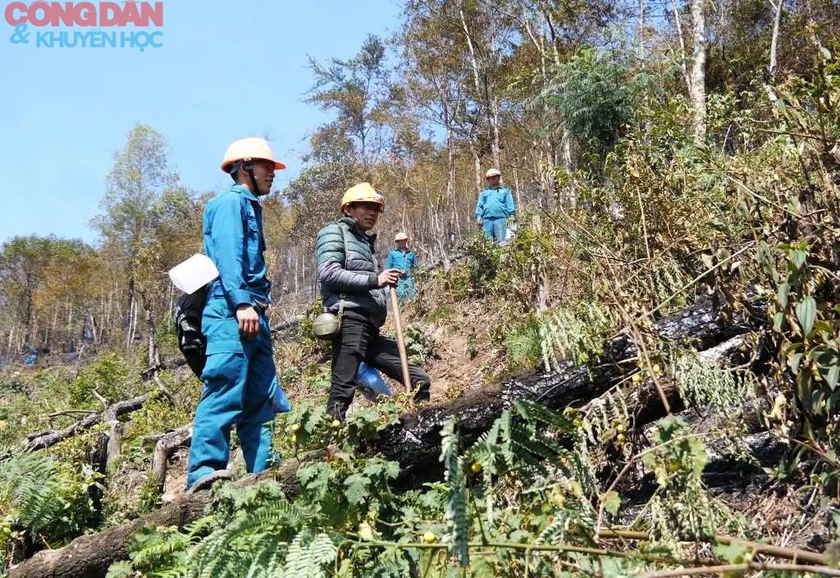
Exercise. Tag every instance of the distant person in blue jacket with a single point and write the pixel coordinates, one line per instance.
(406, 260)
(31, 353)
(495, 206)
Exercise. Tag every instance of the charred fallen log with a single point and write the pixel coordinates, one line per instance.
(414, 442)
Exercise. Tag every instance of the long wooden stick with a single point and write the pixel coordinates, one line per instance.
(724, 569)
(400, 342)
(757, 547)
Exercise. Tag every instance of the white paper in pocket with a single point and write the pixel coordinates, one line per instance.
(194, 273)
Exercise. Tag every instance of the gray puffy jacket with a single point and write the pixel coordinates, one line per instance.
(354, 276)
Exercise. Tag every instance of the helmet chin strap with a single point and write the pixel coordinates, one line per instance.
(249, 168)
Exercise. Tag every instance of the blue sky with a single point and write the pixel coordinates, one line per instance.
(222, 73)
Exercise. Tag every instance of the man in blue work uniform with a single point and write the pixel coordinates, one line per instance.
(240, 379)
(495, 206)
(31, 354)
(405, 260)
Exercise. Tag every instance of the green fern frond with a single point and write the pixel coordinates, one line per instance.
(457, 516)
(553, 533)
(27, 485)
(525, 341)
(151, 554)
(274, 566)
(707, 384)
(50, 500)
(536, 448)
(488, 452)
(505, 447)
(577, 335)
(535, 412)
(201, 526)
(604, 414)
(264, 548)
(296, 558)
(209, 553)
(323, 549)
(308, 555)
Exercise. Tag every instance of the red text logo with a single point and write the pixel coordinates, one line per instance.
(42, 13)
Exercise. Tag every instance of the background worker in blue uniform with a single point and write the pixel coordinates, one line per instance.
(495, 206)
(31, 354)
(240, 379)
(404, 259)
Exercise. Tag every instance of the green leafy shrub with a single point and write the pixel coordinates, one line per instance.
(419, 345)
(111, 376)
(592, 98)
(524, 341)
(43, 502)
(471, 276)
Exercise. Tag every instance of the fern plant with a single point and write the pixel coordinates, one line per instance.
(42, 501)
(528, 481)
(573, 334)
(708, 385)
(607, 417)
(158, 552)
(524, 341)
(683, 509)
(457, 518)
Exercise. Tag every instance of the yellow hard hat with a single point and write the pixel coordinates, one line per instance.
(401, 237)
(361, 193)
(493, 173)
(248, 149)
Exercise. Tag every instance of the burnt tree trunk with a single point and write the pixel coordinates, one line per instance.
(413, 442)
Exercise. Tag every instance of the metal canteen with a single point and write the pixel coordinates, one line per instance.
(326, 326)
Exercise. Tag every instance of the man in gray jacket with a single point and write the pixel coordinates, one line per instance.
(352, 277)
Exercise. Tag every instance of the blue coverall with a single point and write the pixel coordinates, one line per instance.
(240, 379)
(32, 356)
(494, 207)
(405, 260)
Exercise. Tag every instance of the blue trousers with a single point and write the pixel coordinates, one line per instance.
(406, 289)
(495, 229)
(241, 388)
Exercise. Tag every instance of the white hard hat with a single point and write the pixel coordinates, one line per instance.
(401, 237)
(493, 173)
(246, 149)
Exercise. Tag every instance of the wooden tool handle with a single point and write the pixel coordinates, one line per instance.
(400, 341)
